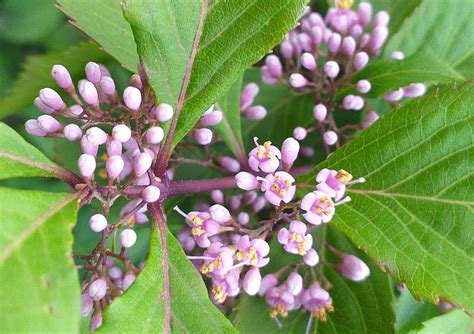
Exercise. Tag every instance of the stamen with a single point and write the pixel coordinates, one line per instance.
(308, 326)
(181, 212)
(359, 180)
(345, 200)
(200, 258)
(259, 178)
(278, 322)
(255, 140)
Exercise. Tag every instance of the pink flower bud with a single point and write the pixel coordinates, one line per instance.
(88, 92)
(203, 136)
(248, 95)
(98, 289)
(114, 166)
(93, 72)
(363, 86)
(96, 322)
(141, 163)
(219, 214)
(356, 31)
(334, 43)
(297, 80)
(151, 194)
(352, 102)
(128, 280)
(122, 133)
(289, 151)
(300, 133)
(269, 281)
(267, 78)
(294, 283)
(319, 112)
(255, 113)
(259, 204)
(414, 90)
(331, 68)
(243, 218)
(274, 66)
(128, 237)
(217, 196)
(98, 223)
(136, 81)
(360, 60)
(308, 61)
(327, 33)
(311, 258)
(235, 202)
(51, 99)
(32, 127)
(330, 137)
(115, 273)
(364, 41)
(87, 304)
(96, 135)
(305, 42)
(381, 19)
(286, 50)
(48, 123)
(211, 118)
(154, 135)
(378, 38)
(397, 55)
(364, 12)
(354, 268)
(369, 119)
(76, 109)
(88, 147)
(72, 132)
(394, 95)
(246, 181)
(307, 151)
(230, 164)
(107, 85)
(114, 147)
(348, 46)
(444, 306)
(86, 164)
(164, 112)
(132, 98)
(62, 77)
(252, 281)
(43, 107)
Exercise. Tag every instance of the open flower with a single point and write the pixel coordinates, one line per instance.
(281, 301)
(219, 260)
(295, 240)
(264, 157)
(317, 300)
(319, 207)
(333, 182)
(278, 187)
(252, 252)
(225, 286)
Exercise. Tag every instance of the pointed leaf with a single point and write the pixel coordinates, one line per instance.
(414, 214)
(104, 22)
(40, 288)
(411, 314)
(453, 322)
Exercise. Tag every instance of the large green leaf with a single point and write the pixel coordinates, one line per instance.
(442, 28)
(140, 309)
(411, 314)
(453, 322)
(40, 288)
(364, 307)
(104, 22)
(227, 37)
(36, 74)
(390, 74)
(20, 159)
(414, 214)
(230, 128)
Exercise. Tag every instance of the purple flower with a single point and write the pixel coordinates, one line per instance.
(295, 240)
(219, 260)
(226, 286)
(281, 301)
(278, 187)
(319, 207)
(202, 226)
(317, 300)
(264, 157)
(252, 252)
(333, 182)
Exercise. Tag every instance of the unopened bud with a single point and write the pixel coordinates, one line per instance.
(414, 90)
(51, 99)
(348, 46)
(87, 305)
(122, 133)
(248, 95)
(369, 119)
(393, 95)
(330, 137)
(381, 19)
(360, 60)
(154, 135)
(211, 119)
(259, 204)
(378, 38)
(397, 55)
(88, 92)
(93, 72)
(86, 164)
(49, 123)
(72, 132)
(128, 280)
(114, 166)
(219, 214)
(286, 50)
(141, 163)
(354, 268)
(32, 127)
(255, 113)
(98, 289)
(132, 98)
(269, 281)
(289, 151)
(96, 322)
(297, 80)
(364, 12)
(334, 43)
(308, 61)
(331, 68)
(319, 112)
(164, 112)
(305, 42)
(203, 136)
(88, 147)
(107, 85)
(274, 66)
(128, 237)
(96, 135)
(76, 109)
(98, 222)
(300, 133)
(252, 281)
(114, 147)
(151, 194)
(43, 107)
(230, 164)
(217, 196)
(243, 218)
(294, 283)
(363, 86)
(62, 77)
(246, 181)
(136, 81)
(311, 258)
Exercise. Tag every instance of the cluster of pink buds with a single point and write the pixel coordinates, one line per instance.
(323, 54)
(247, 97)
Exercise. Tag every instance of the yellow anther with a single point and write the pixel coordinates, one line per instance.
(296, 237)
(219, 293)
(288, 183)
(343, 177)
(301, 249)
(195, 220)
(275, 188)
(104, 157)
(197, 231)
(282, 192)
(131, 220)
(344, 4)
(279, 309)
(102, 173)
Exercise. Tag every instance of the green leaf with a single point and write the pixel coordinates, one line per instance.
(442, 28)
(399, 11)
(364, 307)
(216, 44)
(20, 159)
(411, 313)
(104, 22)
(140, 309)
(390, 74)
(414, 214)
(230, 128)
(453, 322)
(36, 74)
(40, 288)
(17, 17)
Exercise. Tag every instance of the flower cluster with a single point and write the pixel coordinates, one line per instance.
(324, 54)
